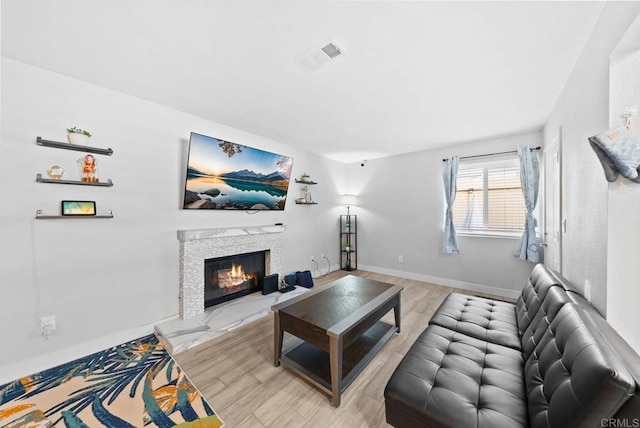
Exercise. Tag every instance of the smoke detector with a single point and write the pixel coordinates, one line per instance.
(312, 60)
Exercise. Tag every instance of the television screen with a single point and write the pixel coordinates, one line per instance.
(227, 176)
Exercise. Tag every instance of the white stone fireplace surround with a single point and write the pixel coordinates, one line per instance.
(197, 245)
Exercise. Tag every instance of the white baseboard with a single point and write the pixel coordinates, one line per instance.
(478, 288)
(51, 359)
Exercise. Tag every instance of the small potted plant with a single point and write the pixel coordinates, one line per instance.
(78, 136)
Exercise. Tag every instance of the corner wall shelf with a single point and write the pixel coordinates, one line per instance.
(39, 216)
(306, 194)
(107, 183)
(47, 143)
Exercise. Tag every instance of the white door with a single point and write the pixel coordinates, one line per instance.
(552, 216)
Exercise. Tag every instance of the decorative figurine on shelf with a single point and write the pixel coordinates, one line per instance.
(305, 178)
(89, 166)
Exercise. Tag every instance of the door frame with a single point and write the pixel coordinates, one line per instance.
(557, 140)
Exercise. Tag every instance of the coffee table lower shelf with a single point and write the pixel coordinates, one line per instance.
(313, 364)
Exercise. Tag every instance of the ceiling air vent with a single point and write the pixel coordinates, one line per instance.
(317, 57)
(331, 50)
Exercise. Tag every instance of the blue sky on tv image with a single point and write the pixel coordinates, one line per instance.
(226, 175)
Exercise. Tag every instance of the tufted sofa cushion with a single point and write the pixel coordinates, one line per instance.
(533, 294)
(448, 379)
(554, 300)
(572, 379)
(484, 319)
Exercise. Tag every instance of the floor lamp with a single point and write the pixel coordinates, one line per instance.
(349, 201)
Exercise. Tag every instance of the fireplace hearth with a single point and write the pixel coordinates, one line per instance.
(230, 277)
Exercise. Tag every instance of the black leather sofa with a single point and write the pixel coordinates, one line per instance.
(549, 360)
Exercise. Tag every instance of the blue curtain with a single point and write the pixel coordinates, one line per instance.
(529, 248)
(450, 177)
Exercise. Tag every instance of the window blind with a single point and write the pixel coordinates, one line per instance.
(489, 197)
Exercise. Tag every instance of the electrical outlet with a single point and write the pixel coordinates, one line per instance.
(47, 325)
(401, 258)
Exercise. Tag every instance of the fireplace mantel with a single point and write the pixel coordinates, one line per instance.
(197, 245)
(195, 234)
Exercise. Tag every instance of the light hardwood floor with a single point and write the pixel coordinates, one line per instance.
(236, 375)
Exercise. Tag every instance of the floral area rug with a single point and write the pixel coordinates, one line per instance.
(135, 384)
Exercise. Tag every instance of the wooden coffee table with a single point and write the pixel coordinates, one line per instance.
(340, 328)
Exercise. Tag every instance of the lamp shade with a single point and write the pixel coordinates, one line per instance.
(349, 200)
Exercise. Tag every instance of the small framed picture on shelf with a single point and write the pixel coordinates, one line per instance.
(78, 208)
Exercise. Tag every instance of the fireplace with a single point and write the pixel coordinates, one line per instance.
(230, 277)
(198, 245)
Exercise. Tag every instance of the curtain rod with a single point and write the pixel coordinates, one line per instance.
(490, 154)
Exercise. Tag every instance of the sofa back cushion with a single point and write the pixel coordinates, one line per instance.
(554, 300)
(573, 378)
(540, 282)
(630, 412)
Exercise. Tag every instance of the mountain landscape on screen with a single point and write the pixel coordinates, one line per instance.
(228, 176)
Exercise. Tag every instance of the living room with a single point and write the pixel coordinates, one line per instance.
(111, 280)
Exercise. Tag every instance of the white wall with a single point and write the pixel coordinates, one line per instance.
(623, 293)
(582, 110)
(401, 212)
(105, 276)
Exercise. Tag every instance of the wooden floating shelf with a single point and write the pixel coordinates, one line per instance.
(306, 203)
(107, 183)
(58, 145)
(305, 182)
(40, 216)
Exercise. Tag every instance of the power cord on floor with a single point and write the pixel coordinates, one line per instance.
(318, 267)
(328, 266)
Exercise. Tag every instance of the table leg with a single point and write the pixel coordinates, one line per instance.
(278, 335)
(396, 312)
(335, 357)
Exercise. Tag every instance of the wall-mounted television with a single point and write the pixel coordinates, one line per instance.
(222, 175)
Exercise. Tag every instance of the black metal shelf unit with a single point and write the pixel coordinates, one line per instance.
(78, 148)
(40, 216)
(349, 242)
(88, 149)
(39, 179)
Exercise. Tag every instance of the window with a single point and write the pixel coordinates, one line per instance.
(489, 197)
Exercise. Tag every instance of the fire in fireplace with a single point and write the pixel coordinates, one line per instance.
(229, 277)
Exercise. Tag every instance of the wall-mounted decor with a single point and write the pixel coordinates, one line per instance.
(306, 198)
(618, 150)
(222, 175)
(80, 208)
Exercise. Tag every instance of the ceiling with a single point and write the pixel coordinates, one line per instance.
(415, 75)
